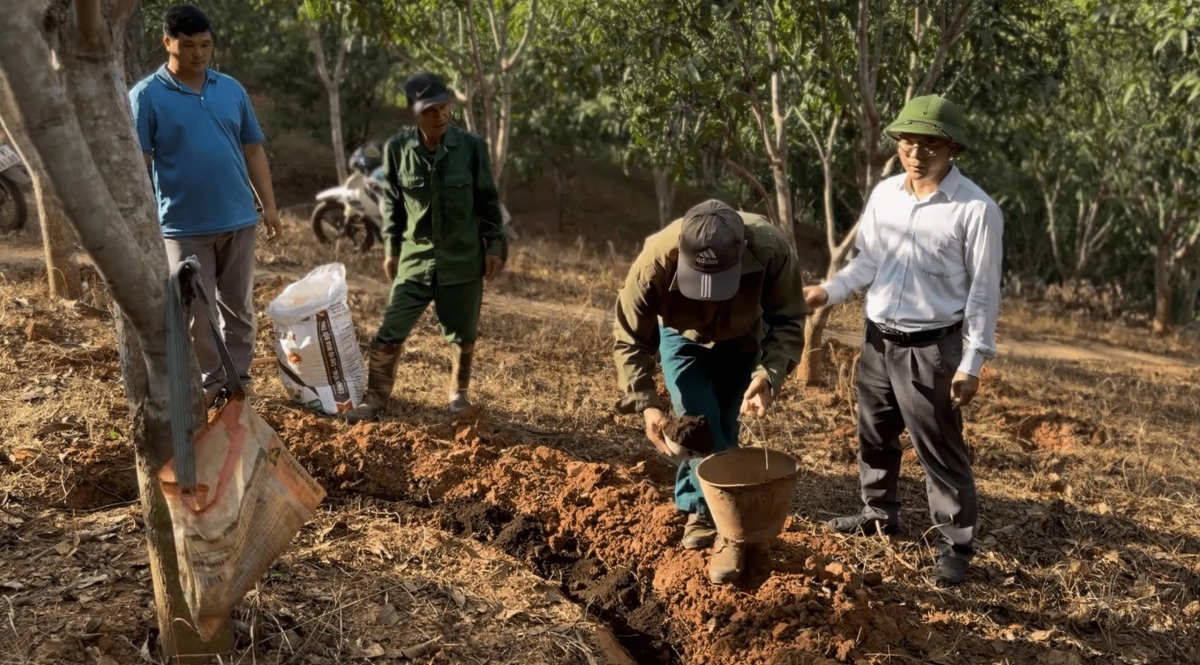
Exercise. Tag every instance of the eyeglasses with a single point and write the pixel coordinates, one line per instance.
(924, 147)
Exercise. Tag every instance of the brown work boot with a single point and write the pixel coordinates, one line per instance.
(728, 561)
(381, 377)
(460, 377)
(699, 532)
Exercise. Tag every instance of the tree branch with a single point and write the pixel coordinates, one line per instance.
(122, 11)
(339, 70)
(957, 28)
(457, 59)
(866, 81)
(757, 187)
(90, 19)
(314, 36)
(484, 86)
(834, 66)
(497, 36)
(1188, 244)
(512, 60)
(838, 258)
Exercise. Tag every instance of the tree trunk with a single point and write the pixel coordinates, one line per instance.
(335, 128)
(560, 187)
(779, 151)
(812, 364)
(1162, 287)
(503, 127)
(332, 82)
(62, 272)
(664, 192)
(1190, 294)
(86, 143)
(134, 48)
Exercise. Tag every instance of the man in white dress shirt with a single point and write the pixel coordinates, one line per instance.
(929, 249)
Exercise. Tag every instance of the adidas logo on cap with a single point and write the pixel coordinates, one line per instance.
(707, 257)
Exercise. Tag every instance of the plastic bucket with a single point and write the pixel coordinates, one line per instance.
(749, 492)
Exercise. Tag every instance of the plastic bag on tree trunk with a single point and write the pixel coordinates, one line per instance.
(320, 363)
(236, 495)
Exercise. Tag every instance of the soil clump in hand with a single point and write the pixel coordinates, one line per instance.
(692, 433)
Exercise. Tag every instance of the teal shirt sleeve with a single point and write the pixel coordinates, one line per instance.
(251, 132)
(143, 117)
(487, 199)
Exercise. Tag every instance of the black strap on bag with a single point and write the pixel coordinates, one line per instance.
(183, 287)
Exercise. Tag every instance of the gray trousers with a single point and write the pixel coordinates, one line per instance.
(909, 386)
(227, 268)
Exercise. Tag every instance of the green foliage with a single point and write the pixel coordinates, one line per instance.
(1070, 102)
(266, 47)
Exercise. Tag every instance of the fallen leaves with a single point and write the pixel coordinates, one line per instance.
(384, 615)
(457, 596)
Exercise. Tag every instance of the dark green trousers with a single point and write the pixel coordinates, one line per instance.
(456, 306)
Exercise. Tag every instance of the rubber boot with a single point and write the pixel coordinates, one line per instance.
(460, 377)
(381, 377)
(728, 561)
(698, 533)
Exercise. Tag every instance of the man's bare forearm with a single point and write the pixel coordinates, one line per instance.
(260, 176)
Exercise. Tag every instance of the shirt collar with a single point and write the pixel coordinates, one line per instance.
(163, 74)
(449, 139)
(948, 187)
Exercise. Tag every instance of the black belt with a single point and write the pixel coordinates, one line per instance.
(913, 338)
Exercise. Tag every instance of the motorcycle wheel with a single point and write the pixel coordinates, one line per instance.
(330, 225)
(328, 221)
(13, 211)
(370, 231)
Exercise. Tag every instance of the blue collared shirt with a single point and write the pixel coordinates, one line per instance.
(196, 138)
(930, 262)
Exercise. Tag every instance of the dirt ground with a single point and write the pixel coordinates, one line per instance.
(538, 527)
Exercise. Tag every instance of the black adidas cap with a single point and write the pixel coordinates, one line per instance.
(710, 252)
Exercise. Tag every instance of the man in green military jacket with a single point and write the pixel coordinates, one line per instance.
(442, 233)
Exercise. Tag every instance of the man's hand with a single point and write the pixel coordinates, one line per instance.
(492, 266)
(274, 228)
(815, 296)
(758, 398)
(655, 423)
(962, 389)
(390, 264)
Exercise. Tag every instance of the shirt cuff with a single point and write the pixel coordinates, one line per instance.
(972, 363)
(638, 401)
(495, 248)
(836, 291)
(773, 377)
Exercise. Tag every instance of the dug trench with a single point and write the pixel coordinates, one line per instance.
(606, 534)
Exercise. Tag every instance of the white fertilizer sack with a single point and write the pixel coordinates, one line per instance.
(320, 363)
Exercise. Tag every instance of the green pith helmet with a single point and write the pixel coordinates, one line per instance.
(931, 115)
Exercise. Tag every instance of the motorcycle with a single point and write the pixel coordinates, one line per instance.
(13, 175)
(352, 211)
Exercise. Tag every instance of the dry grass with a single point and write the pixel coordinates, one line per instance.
(1086, 477)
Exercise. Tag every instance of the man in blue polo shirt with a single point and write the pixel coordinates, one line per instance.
(204, 148)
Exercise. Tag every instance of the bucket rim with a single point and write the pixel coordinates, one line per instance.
(786, 477)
